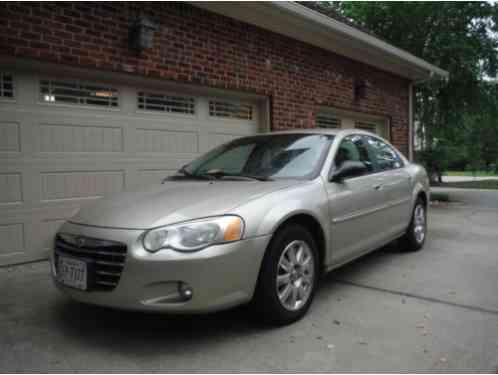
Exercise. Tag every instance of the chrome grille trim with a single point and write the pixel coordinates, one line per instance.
(107, 283)
(87, 251)
(108, 273)
(108, 257)
(117, 264)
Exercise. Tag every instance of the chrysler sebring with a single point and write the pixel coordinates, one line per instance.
(257, 220)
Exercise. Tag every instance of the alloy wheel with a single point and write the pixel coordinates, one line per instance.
(295, 275)
(419, 226)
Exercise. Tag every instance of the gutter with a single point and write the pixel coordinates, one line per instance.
(341, 28)
(411, 133)
(335, 26)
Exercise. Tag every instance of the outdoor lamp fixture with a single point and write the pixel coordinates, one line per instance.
(360, 89)
(142, 33)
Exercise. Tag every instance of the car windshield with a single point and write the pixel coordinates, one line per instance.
(264, 157)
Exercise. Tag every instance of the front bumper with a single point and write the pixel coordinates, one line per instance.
(220, 276)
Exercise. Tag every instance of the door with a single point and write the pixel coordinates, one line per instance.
(66, 139)
(356, 204)
(396, 184)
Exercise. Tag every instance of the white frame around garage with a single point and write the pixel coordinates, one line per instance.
(38, 211)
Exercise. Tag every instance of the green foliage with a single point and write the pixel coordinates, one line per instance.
(478, 184)
(461, 37)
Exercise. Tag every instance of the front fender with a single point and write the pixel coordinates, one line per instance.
(266, 214)
(420, 183)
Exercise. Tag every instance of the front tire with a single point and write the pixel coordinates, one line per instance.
(414, 238)
(288, 277)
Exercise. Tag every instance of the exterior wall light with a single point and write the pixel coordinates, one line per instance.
(360, 89)
(142, 34)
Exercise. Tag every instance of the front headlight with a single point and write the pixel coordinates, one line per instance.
(195, 235)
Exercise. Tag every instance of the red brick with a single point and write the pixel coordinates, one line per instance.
(193, 45)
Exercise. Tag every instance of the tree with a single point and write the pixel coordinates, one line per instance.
(461, 37)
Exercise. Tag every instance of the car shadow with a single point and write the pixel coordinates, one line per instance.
(362, 265)
(145, 332)
(132, 331)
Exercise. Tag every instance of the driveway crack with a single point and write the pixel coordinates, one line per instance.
(420, 297)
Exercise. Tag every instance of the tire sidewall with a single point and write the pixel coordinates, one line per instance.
(272, 308)
(412, 240)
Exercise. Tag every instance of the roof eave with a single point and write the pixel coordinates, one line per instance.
(301, 23)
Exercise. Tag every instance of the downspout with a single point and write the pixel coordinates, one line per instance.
(411, 135)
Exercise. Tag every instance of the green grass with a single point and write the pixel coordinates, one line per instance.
(483, 184)
(470, 174)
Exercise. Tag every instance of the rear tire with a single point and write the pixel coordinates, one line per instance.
(414, 238)
(288, 277)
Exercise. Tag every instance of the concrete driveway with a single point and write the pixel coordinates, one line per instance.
(432, 310)
(471, 197)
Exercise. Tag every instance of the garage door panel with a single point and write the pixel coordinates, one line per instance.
(163, 140)
(234, 127)
(72, 116)
(164, 124)
(77, 138)
(10, 136)
(10, 188)
(87, 184)
(167, 118)
(11, 238)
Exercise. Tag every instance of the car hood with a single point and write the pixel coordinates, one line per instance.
(172, 202)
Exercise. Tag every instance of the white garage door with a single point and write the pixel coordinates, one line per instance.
(336, 119)
(65, 141)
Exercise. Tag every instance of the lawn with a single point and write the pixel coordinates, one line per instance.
(482, 184)
(470, 174)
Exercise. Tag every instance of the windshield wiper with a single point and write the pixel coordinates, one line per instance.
(220, 174)
(204, 176)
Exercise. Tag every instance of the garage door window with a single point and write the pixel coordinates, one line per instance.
(166, 103)
(328, 121)
(77, 93)
(6, 86)
(237, 110)
(369, 127)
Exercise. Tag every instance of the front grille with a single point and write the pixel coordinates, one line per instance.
(106, 257)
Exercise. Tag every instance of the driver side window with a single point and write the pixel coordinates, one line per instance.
(353, 148)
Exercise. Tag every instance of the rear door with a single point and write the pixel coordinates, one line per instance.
(395, 184)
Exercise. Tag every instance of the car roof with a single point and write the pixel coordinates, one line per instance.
(336, 132)
(340, 133)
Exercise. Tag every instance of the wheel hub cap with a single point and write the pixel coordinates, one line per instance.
(295, 275)
(419, 226)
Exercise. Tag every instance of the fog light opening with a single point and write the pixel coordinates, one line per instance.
(185, 290)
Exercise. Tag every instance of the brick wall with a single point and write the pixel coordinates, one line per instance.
(196, 46)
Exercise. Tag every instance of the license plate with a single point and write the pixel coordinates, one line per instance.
(72, 272)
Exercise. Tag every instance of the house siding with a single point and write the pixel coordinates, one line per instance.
(199, 47)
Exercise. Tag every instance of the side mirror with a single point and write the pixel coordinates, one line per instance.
(347, 169)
